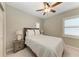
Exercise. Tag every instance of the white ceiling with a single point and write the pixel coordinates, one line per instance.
(31, 7)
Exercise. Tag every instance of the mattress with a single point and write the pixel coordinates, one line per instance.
(45, 46)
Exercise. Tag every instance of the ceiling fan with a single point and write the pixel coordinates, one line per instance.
(49, 7)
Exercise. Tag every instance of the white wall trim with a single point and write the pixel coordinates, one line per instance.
(71, 36)
(4, 30)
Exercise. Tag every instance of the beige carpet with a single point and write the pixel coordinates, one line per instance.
(69, 51)
(23, 53)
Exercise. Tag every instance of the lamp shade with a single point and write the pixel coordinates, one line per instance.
(19, 32)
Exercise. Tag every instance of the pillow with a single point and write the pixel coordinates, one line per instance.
(37, 32)
(30, 33)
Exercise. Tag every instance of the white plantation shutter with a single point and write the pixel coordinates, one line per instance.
(71, 26)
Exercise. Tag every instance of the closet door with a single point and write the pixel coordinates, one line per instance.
(1, 31)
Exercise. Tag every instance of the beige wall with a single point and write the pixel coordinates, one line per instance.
(54, 26)
(15, 20)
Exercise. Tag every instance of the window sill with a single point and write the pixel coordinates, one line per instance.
(71, 36)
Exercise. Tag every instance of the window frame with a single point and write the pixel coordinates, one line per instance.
(69, 36)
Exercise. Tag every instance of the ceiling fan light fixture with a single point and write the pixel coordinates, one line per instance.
(47, 10)
(49, 7)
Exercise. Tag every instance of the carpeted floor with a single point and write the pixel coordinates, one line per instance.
(69, 51)
(23, 53)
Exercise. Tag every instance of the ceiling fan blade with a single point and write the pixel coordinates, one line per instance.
(57, 3)
(44, 13)
(40, 10)
(53, 11)
(46, 4)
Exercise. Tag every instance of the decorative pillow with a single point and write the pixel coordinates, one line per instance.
(37, 32)
(30, 33)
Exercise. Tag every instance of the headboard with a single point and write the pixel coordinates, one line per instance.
(25, 29)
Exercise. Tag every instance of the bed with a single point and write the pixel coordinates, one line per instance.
(43, 45)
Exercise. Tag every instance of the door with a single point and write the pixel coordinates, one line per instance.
(1, 31)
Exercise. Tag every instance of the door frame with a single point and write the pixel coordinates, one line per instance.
(2, 6)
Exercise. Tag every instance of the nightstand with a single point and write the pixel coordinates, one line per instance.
(18, 45)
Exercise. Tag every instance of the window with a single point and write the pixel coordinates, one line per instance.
(71, 27)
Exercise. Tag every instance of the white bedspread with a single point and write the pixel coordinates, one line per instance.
(45, 46)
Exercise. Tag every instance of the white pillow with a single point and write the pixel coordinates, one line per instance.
(30, 33)
(37, 32)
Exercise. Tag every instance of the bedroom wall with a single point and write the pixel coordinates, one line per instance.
(54, 26)
(15, 20)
